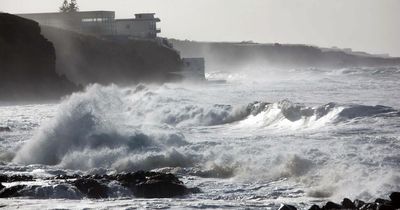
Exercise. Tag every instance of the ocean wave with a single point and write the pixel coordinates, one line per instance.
(139, 128)
(293, 115)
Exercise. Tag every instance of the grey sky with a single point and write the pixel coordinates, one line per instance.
(368, 25)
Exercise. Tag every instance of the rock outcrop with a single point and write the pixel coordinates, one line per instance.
(27, 63)
(378, 204)
(141, 184)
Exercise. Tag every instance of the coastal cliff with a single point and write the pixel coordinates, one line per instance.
(86, 59)
(27, 63)
(224, 55)
(45, 63)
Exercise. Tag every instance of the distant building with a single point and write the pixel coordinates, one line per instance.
(101, 23)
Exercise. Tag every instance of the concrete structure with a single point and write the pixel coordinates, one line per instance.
(101, 23)
(92, 22)
(193, 69)
(142, 26)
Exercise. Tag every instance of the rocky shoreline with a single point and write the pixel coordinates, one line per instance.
(148, 184)
(141, 184)
(378, 204)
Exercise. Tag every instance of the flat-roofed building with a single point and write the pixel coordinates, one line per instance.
(90, 22)
(100, 23)
(144, 25)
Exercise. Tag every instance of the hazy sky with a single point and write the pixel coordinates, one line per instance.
(368, 25)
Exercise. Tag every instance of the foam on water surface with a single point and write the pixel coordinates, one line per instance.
(249, 142)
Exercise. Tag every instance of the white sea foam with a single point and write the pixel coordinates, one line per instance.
(236, 140)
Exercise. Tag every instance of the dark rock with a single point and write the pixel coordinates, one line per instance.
(331, 205)
(1, 186)
(381, 201)
(368, 206)
(5, 129)
(64, 176)
(348, 204)
(287, 207)
(3, 178)
(15, 178)
(11, 191)
(159, 189)
(27, 63)
(153, 184)
(92, 188)
(314, 207)
(385, 207)
(358, 203)
(395, 198)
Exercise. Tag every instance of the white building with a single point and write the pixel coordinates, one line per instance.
(100, 23)
(142, 26)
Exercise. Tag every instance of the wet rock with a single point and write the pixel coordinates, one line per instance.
(148, 184)
(314, 207)
(287, 207)
(159, 189)
(65, 176)
(368, 206)
(385, 207)
(15, 178)
(5, 129)
(395, 198)
(331, 205)
(13, 191)
(381, 200)
(358, 203)
(92, 188)
(348, 204)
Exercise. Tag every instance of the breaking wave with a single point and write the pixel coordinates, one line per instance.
(129, 129)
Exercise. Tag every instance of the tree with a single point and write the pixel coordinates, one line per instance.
(64, 7)
(69, 7)
(73, 6)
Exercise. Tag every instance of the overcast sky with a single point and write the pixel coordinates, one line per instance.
(367, 25)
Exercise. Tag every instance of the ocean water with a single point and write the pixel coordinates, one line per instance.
(262, 138)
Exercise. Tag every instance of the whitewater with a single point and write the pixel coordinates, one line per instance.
(264, 137)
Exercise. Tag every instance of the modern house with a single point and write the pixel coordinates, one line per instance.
(143, 25)
(100, 23)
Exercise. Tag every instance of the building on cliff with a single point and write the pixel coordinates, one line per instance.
(143, 25)
(100, 23)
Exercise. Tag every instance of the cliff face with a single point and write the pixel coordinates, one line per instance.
(88, 59)
(27, 63)
(234, 55)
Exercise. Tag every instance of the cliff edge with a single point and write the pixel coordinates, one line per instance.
(27, 63)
